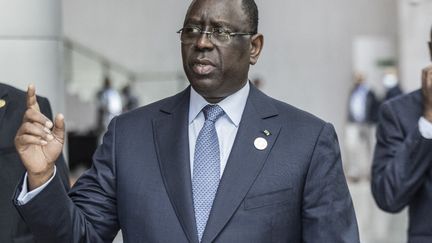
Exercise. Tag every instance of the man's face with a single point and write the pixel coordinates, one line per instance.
(217, 71)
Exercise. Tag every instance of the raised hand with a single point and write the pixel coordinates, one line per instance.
(39, 142)
(427, 92)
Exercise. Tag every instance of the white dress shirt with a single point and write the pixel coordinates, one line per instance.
(425, 128)
(226, 126)
(358, 103)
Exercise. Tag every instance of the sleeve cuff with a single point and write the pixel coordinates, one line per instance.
(425, 128)
(25, 196)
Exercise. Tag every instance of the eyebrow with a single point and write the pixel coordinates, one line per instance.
(213, 23)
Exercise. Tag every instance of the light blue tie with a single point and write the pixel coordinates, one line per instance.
(206, 170)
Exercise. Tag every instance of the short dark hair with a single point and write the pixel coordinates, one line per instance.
(251, 10)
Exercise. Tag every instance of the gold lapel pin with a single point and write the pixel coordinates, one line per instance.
(2, 103)
(260, 143)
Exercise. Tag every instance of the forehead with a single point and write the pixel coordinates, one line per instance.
(216, 11)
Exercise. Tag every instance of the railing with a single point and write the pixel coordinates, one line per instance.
(85, 69)
(84, 72)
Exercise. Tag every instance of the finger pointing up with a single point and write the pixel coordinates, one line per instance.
(31, 98)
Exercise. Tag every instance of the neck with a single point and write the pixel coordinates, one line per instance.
(214, 100)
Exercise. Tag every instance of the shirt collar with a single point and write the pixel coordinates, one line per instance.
(232, 105)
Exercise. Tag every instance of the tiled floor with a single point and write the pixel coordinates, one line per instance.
(376, 226)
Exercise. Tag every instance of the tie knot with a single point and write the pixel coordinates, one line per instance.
(212, 112)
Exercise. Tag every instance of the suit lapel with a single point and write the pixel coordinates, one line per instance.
(172, 145)
(245, 161)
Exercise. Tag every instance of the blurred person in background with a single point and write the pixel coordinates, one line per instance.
(218, 162)
(391, 84)
(130, 101)
(109, 105)
(12, 108)
(359, 130)
(402, 164)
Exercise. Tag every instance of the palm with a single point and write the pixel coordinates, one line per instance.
(38, 158)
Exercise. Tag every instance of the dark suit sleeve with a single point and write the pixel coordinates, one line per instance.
(328, 213)
(400, 162)
(89, 214)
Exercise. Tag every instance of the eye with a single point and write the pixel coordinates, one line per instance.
(220, 31)
(191, 30)
(221, 34)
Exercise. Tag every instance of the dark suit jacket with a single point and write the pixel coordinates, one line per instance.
(393, 92)
(12, 227)
(140, 182)
(402, 173)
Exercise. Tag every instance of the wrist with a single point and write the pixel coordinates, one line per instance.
(427, 113)
(36, 180)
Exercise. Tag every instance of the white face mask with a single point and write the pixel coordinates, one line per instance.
(390, 81)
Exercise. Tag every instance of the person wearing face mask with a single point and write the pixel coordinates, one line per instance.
(391, 85)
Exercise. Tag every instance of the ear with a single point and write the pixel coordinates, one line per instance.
(257, 43)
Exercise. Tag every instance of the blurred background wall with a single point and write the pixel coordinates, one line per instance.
(31, 46)
(307, 56)
(414, 26)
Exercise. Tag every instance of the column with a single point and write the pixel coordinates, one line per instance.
(31, 47)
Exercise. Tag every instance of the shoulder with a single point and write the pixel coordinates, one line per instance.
(287, 113)
(296, 124)
(409, 100)
(18, 96)
(156, 109)
(11, 91)
(302, 124)
(293, 113)
(405, 109)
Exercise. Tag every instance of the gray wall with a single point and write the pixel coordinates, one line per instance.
(307, 57)
(415, 21)
(30, 47)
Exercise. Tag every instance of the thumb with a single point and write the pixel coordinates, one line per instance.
(59, 128)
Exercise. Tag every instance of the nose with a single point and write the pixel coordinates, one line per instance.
(204, 41)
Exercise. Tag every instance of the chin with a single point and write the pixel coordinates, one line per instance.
(204, 85)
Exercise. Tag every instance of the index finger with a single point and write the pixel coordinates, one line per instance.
(31, 98)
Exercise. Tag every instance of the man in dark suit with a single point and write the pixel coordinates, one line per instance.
(12, 108)
(218, 162)
(402, 172)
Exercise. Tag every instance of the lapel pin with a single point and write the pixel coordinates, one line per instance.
(267, 132)
(2, 103)
(260, 143)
